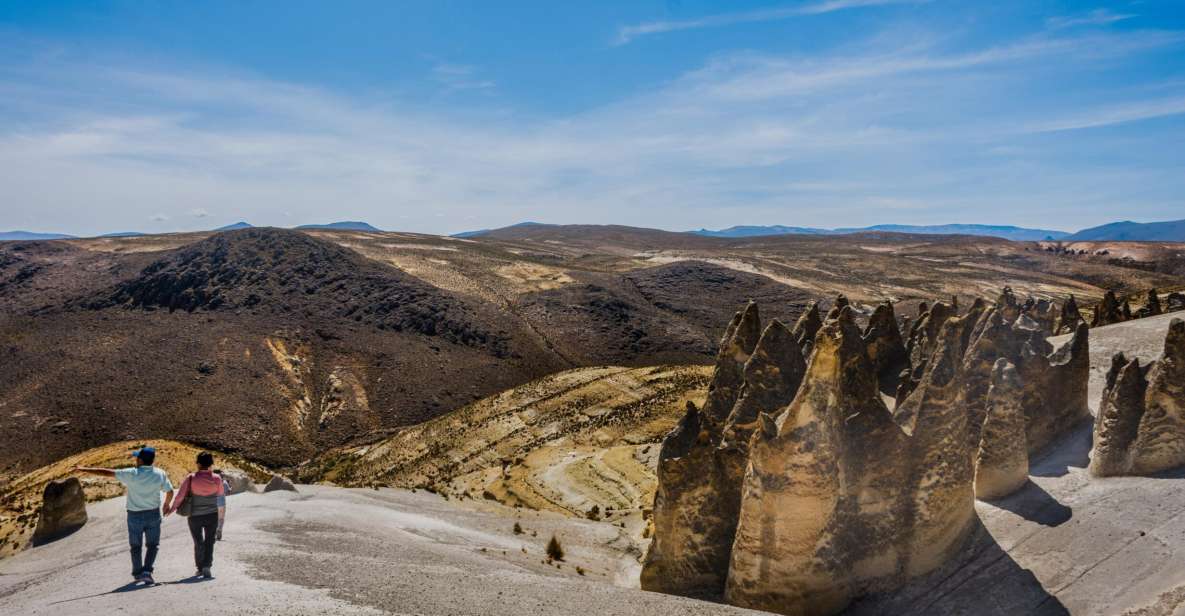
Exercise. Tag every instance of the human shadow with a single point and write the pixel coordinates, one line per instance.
(193, 579)
(129, 587)
(982, 579)
(1071, 449)
(1034, 504)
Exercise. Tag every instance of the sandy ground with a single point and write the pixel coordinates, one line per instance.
(343, 551)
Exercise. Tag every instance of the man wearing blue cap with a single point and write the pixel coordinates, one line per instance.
(144, 482)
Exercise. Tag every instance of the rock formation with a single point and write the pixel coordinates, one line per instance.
(1002, 464)
(1174, 302)
(824, 516)
(279, 482)
(1151, 305)
(885, 347)
(689, 552)
(1107, 311)
(799, 509)
(1069, 318)
(807, 326)
(63, 510)
(1140, 429)
(238, 482)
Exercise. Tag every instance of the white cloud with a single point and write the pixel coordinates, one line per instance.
(1097, 17)
(626, 34)
(199, 212)
(919, 131)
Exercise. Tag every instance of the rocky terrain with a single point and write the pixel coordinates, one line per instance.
(1065, 542)
(281, 344)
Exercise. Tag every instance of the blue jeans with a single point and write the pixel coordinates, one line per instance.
(143, 530)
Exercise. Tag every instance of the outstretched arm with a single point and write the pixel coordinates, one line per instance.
(91, 470)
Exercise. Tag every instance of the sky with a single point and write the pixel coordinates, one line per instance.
(443, 116)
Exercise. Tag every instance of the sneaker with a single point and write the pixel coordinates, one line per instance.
(206, 573)
(146, 577)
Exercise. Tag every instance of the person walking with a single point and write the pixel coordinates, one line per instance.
(222, 503)
(202, 497)
(144, 483)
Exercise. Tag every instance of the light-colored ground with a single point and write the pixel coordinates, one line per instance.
(330, 550)
(20, 500)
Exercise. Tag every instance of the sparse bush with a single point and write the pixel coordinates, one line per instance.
(580, 570)
(594, 513)
(554, 550)
(518, 528)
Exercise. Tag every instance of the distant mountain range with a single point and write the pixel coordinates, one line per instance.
(481, 232)
(345, 225)
(1019, 234)
(1167, 231)
(10, 236)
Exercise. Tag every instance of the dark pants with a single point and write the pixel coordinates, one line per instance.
(203, 528)
(143, 530)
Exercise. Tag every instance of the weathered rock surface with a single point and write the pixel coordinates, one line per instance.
(1151, 305)
(839, 496)
(63, 510)
(885, 347)
(803, 544)
(1107, 311)
(1118, 418)
(689, 552)
(808, 325)
(1174, 302)
(1002, 464)
(279, 482)
(238, 482)
(1069, 318)
(1140, 429)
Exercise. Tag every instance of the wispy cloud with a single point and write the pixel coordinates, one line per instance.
(1113, 115)
(937, 133)
(625, 34)
(1097, 17)
(459, 77)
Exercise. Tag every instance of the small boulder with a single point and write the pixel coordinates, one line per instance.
(238, 482)
(279, 482)
(63, 510)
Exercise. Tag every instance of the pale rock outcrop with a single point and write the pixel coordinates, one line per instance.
(63, 510)
(279, 483)
(1160, 438)
(1140, 429)
(1055, 389)
(689, 552)
(1118, 417)
(238, 482)
(885, 347)
(1151, 305)
(839, 499)
(1107, 311)
(1069, 318)
(1002, 463)
(808, 325)
(820, 506)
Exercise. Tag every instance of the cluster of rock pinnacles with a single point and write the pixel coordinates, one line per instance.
(829, 462)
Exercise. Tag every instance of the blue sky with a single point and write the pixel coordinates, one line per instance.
(442, 116)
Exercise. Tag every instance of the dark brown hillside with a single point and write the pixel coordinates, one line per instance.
(280, 272)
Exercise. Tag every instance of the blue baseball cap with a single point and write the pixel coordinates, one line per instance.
(148, 450)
